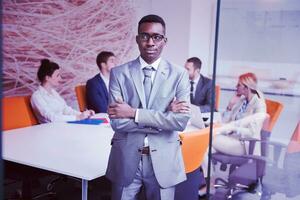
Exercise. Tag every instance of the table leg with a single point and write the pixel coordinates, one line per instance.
(84, 188)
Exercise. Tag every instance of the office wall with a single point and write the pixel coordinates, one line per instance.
(72, 33)
(263, 37)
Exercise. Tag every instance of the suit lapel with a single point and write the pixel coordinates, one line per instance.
(137, 74)
(160, 77)
(251, 104)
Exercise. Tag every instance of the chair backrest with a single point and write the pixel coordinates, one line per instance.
(264, 138)
(294, 144)
(296, 134)
(81, 97)
(17, 113)
(274, 109)
(217, 96)
(194, 146)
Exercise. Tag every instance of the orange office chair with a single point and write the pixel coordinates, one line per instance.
(274, 109)
(194, 146)
(296, 134)
(17, 113)
(81, 97)
(278, 168)
(217, 96)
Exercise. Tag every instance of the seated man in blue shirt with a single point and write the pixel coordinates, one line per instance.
(201, 86)
(97, 87)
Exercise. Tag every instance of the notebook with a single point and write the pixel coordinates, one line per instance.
(196, 117)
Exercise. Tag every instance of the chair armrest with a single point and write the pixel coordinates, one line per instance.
(258, 158)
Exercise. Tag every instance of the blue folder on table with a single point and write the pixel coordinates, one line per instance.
(87, 121)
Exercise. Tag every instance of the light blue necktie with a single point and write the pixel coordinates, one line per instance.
(147, 87)
(147, 82)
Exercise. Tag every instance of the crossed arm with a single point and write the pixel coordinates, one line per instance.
(123, 116)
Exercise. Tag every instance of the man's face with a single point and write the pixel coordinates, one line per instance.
(189, 66)
(151, 41)
(110, 63)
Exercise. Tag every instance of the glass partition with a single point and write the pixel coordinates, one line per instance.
(256, 151)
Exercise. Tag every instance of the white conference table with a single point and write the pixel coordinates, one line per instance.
(77, 150)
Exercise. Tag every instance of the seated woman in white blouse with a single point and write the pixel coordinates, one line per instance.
(47, 104)
(243, 118)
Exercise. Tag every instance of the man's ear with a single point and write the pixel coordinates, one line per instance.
(103, 65)
(137, 39)
(47, 77)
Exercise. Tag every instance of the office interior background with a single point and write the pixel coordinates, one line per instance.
(260, 36)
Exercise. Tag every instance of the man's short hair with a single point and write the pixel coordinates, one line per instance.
(102, 57)
(152, 19)
(196, 62)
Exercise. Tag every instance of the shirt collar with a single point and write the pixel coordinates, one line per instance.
(44, 91)
(102, 76)
(197, 80)
(154, 65)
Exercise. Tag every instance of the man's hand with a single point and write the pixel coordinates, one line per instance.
(179, 106)
(120, 109)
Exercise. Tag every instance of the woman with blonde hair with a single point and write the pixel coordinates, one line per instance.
(243, 118)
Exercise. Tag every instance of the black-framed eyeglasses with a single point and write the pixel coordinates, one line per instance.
(146, 36)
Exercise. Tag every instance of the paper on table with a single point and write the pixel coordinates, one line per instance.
(88, 121)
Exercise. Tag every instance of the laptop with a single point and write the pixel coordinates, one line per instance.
(196, 117)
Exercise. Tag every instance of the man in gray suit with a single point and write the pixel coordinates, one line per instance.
(148, 106)
(201, 86)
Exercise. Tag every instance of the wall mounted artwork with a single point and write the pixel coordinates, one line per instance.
(70, 33)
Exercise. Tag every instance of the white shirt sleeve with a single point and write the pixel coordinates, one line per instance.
(52, 109)
(136, 118)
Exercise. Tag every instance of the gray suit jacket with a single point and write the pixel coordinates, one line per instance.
(126, 83)
(203, 94)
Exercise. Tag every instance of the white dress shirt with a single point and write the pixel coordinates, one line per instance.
(143, 65)
(51, 107)
(105, 79)
(196, 80)
(155, 67)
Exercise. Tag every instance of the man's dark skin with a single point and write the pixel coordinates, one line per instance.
(150, 52)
